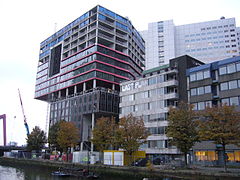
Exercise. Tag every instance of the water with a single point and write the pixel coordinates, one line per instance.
(42, 173)
(27, 172)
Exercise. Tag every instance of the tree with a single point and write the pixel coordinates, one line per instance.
(131, 133)
(182, 128)
(68, 135)
(52, 136)
(221, 125)
(104, 133)
(36, 139)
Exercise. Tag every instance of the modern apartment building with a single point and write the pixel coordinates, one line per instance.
(150, 98)
(81, 66)
(205, 41)
(213, 84)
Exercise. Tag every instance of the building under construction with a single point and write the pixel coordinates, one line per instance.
(81, 65)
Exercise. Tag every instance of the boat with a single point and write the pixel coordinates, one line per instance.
(60, 173)
(75, 172)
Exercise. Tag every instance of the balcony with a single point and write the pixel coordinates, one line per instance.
(105, 28)
(122, 43)
(105, 36)
(121, 35)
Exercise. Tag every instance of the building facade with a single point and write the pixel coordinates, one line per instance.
(205, 41)
(150, 98)
(214, 84)
(81, 66)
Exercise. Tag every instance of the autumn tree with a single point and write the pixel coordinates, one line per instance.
(68, 135)
(52, 136)
(182, 128)
(221, 125)
(36, 139)
(131, 133)
(104, 133)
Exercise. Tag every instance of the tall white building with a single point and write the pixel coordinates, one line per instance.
(159, 43)
(205, 41)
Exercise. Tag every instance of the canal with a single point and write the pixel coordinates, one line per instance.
(26, 172)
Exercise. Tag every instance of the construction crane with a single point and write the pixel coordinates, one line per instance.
(25, 119)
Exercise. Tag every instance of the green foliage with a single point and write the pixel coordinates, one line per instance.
(182, 127)
(52, 136)
(36, 139)
(68, 135)
(104, 133)
(131, 133)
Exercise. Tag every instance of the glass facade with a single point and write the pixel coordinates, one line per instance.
(229, 68)
(200, 75)
(200, 90)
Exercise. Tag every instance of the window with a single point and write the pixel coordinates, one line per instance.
(222, 70)
(193, 92)
(224, 86)
(208, 103)
(193, 77)
(233, 84)
(231, 68)
(225, 101)
(234, 101)
(195, 106)
(238, 66)
(152, 80)
(141, 95)
(200, 90)
(201, 106)
(207, 89)
(199, 75)
(206, 74)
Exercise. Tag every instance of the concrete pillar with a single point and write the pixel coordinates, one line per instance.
(75, 89)
(81, 146)
(66, 92)
(113, 86)
(84, 86)
(93, 122)
(94, 83)
(59, 94)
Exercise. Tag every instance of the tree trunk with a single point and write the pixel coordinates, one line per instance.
(224, 158)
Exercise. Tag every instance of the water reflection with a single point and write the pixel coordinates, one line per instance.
(25, 172)
(11, 173)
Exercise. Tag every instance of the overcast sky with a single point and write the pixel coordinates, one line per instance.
(25, 23)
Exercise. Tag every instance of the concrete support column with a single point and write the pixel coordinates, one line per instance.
(59, 94)
(113, 86)
(94, 83)
(81, 146)
(66, 92)
(84, 86)
(93, 123)
(75, 89)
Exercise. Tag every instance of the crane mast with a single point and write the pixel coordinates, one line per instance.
(24, 116)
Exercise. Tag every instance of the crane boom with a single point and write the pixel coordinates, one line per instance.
(24, 116)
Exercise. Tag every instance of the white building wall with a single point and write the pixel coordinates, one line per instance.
(159, 43)
(238, 38)
(206, 41)
(132, 88)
